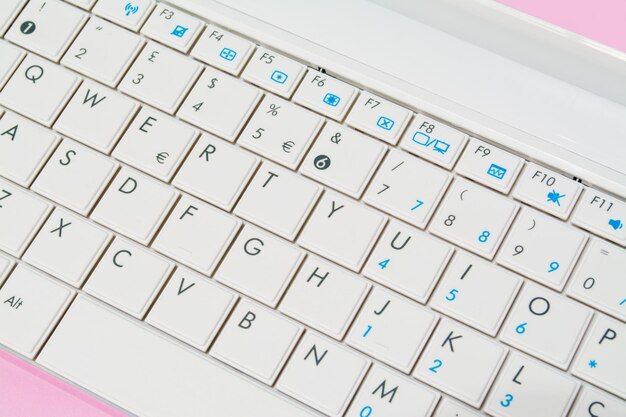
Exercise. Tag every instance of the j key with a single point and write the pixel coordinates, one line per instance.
(274, 72)
(602, 214)
(378, 117)
(222, 49)
(130, 15)
(595, 403)
(172, 27)
(325, 94)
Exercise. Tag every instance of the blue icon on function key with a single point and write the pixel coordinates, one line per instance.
(438, 145)
(385, 123)
(130, 9)
(555, 197)
(179, 31)
(228, 54)
(616, 224)
(496, 171)
(331, 99)
(279, 77)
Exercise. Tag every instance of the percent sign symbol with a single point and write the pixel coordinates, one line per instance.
(273, 110)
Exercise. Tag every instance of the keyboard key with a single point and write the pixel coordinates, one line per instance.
(325, 95)
(489, 165)
(593, 402)
(8, 11)
(324, 297)
(6, 265)
(529, 388)
(103, 51)
(342, 230)
(343, 159)
(274, 72)
(83, 4)
(449, 408)
(153, 375)
(547, 190)
(216, 171)
(546, 325)
(323, 374)
(400, 252)
(460, 362)
(37, 27)
(192, 308)
(135, 205)
(223, 50)
(408, 188)
(129, 277)
(378, 333)
(257, 341)
(10, 57)
(473, 217)
(172, 27)
(602, 214)
(378, 117)
(476, 292)
(67, 247)
(32, 305)
(131, 15)
(542, 248)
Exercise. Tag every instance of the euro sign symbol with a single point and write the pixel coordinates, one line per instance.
(161, 157)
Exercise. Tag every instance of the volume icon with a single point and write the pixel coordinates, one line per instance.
(130, 9)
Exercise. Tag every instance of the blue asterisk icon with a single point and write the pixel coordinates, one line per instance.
(593, 364)
(554, 197)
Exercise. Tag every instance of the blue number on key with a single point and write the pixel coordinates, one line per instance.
(438, 364)
(521, 329)
(452, 294)
(508, 399)
(383, 264)
(484, 236)
(367, 330)
(367, 409)
(553, 266)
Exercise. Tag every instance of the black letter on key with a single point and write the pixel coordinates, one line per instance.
(449, 340)
(133, 186)
(246, 321)
(609, 334)
(393, 241)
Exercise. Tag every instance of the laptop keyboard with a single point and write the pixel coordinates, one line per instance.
(194, 224)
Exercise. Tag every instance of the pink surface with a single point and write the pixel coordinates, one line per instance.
(27, 391)
(601, 20)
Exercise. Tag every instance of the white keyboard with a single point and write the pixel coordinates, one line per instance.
(195, 225)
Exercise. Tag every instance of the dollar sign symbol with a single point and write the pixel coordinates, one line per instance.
(213, 81)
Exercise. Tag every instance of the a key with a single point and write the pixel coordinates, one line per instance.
(103, 51)
(197, 234)
(172, 27)
(295, 195)
(24, 148)
(408, 188)
(601, 360)
(8, 11)
(408, 261)
(6, 265)
(476, 292)
(260, 265)
(489, 165)
(10, 57)
(392, 329)
(223, 50)
(342, 230)
(385, 393)
(595, 403)
(449, 408)
(602, 214)
(325, 94)
(473, 217)
(547, 190)
(96, 116)
(324, 297)
(216, 171)
(546, 325)
(378, 117)
(38, 28)
(31, 305)
(131, 15)
(529, 388)
(257, 341)
(67, 247)
(323, 374)
(599, 280)
(135, 205)
(274, 72)
(150, 79)
(460, 362)
(75, 176)
(220, 104)
(542, 248)
(129, 277)
(280, 131)
(39, 89)
(343, 159)
(155, 143)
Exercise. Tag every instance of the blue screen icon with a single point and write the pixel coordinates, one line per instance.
(496, 171)
(279, 77)
(228, 54)
(179, 31)
(331, 99)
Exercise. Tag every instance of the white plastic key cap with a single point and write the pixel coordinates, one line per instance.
(546, 325)
(216, 171)
(38, 27)
(325, 94)
(474, 218)
(601, 360)
(408, 188)
(129, 277)
(593, 402)
(197, 234)
(408, 261)
(460, 362)
(392, 329)
(599, 280)
(134, 205)
(172, 27)
(547, 190)
(385, 393)
(131, 15)
(6, 265)
(342, 230)
(127, 363)
(542, 248)
(223, 50)
(8, 11)
(476, 292)
(220, 104)
(192, 308)
(324, 297)
(257, 341)
(39, 89)
(602, 214)
(10, 57)
(67, 247)
(274, 72)
(295, 195)
(343, 159)
(83, 4)
(103, 51)
(527, 387)
(378, 117)
(323, 374)
(449, 408)
(31, 306)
